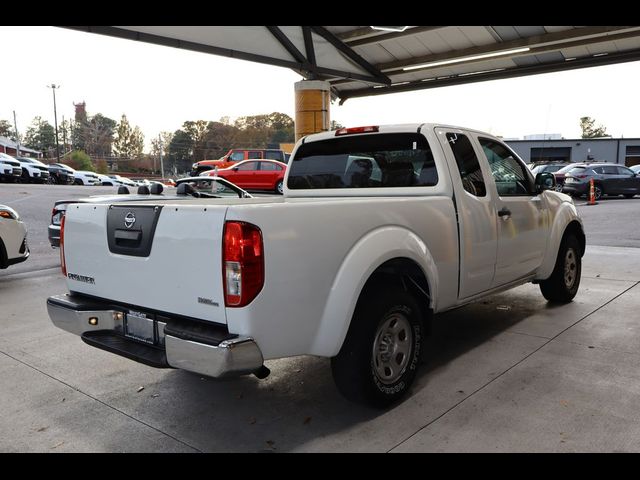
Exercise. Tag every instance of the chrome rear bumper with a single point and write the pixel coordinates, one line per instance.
(236, 355)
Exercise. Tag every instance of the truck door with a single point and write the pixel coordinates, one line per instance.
(477, 224)
(523, 215)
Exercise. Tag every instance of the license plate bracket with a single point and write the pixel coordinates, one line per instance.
(138, 327)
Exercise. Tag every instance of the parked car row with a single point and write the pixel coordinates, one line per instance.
(608, 178)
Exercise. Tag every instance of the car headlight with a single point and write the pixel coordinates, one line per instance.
(8, 212)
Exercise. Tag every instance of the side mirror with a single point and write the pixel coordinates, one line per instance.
(235, 169)
(545, 181)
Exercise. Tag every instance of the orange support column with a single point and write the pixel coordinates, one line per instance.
(313, 98)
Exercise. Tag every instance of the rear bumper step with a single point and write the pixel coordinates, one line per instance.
(198, 347)
(120, 345)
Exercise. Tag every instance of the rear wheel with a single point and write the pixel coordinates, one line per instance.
(379, 358)
(598, 191)
(279, 187)
(563, 283)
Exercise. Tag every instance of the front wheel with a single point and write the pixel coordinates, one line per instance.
(379, 358)
(563, 283)
(598, 192)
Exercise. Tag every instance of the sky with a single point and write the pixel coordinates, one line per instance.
(159, 88)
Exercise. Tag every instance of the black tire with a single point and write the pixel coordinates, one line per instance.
(629, 195)
(364, 372)
(563, 283)
(77, 181)
(279, 188)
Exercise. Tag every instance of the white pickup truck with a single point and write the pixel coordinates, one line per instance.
(378, 229)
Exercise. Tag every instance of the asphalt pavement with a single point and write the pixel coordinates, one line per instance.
(510, 373)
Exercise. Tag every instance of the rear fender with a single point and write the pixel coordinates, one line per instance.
(371, 251)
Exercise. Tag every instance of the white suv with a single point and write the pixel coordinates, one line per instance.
(33, 170)
(85, 177)
(10, 168)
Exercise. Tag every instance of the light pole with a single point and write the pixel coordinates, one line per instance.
(53, 87)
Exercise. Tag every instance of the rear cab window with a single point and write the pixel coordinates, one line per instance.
(383, 160)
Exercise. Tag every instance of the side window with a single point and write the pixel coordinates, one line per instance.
(598, 170)
(254, 154)
(624, 171)
(468, 164)
(274, 155)
(510, 175)
(236, 156)
(267, 166)
(248, 166)
(610, 170)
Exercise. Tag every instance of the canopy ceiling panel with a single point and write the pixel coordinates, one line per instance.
(363, 60)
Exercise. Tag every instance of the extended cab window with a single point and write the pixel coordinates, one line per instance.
(511, 176)
(274, 155)
(468, 164)
(364, 161)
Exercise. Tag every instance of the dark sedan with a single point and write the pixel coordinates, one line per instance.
(608, 179)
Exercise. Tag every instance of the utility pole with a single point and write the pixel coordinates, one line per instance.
(53, 87)
(161, 164)
(15, 126)
(64, 137)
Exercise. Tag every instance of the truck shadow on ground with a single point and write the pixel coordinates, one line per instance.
(298, 406)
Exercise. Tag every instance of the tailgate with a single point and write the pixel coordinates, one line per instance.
(165, 258)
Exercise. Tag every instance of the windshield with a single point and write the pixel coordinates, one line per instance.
(364, 161)
(212, 186)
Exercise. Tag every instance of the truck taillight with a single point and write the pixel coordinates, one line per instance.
(63, 264)
(242, 263)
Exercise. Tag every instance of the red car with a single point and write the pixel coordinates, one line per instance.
(254, 174)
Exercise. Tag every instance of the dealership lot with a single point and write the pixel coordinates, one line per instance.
(507, 374)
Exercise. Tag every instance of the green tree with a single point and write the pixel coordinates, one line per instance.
(40, 135)
(129, 142)
(261, 130)
(587, 125)
(6, 130)
(220, 137)
(136, 141)
(121, 143)
(197, 131)
(81, 161)
(160, 145)
(180, 152)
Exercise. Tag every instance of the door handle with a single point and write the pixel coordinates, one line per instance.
(505, 213)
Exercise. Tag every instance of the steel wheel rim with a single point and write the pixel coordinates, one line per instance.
(392, 348)
(570, 268)
(280, 187)
(597, 192)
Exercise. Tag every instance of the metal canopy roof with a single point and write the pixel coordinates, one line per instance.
(359, 60)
